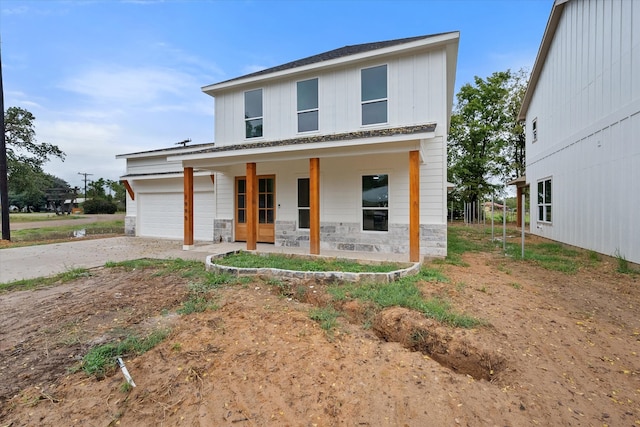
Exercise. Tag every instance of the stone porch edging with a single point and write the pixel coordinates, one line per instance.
(321, 276)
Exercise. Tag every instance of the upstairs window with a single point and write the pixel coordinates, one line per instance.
(375, 202)
(534, 129)
(308, 105)
(253, 113)
(544, 200)
(304, 220)
(373, 82)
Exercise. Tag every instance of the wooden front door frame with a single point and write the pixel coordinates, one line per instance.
(253, 230)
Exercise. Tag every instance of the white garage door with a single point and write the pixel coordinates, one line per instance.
(161, 215)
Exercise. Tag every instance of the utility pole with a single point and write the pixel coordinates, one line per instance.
(4, 186)
(85, 182)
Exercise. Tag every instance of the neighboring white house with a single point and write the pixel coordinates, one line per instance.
(582, 112)
(345, 150)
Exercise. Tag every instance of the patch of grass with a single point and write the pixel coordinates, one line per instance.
(327, 317)
(461, 239)
(405, 293)
(550, 255)
(102, 359)
(200, 298)
(249, 260)
(38, 217)
(125, 387)
(517, 286)
(40, 282)
(67, 231)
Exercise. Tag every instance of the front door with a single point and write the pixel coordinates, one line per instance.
(266, 208)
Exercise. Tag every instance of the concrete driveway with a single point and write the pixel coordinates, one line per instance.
(29, 262)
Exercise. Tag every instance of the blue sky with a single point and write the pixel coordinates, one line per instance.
(111, 77)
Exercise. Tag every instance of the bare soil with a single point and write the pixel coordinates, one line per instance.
(557, 349)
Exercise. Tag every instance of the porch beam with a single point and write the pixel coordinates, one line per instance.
(188, 209)
(414, 206)
(314, 206)
(252, 207)
(129, 189)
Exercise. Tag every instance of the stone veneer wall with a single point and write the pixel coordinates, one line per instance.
(222, 230)
(130, 225)
(348, 237)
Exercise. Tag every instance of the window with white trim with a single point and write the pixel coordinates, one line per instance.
(375, 202)
(304, 221)
(307, 93)
(534, 129)
(253, 113)
(373, 85)
(544, 200)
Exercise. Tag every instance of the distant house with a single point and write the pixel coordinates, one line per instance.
(582, 113)
(345, 150)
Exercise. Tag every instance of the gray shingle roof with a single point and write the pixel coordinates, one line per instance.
(334, 54)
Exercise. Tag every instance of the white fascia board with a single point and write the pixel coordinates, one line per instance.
(423, 44)
(143, 177)
(163, 152)
(365, 145)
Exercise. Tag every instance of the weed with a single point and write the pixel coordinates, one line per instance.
(101, 359)
(327, 317)
(176, 347)
(623, 264)
(125, 387)
(516, 286)
(460, 286)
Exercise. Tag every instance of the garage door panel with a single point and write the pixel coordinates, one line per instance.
(161, 215)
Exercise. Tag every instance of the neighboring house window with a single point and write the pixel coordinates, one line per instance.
(375, 202)
(544, 200)
(374, 95)
(253, 113)
(308, 105)
(303, 203)
(534, 129)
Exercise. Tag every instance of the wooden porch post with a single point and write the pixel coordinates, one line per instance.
(314, 206)
(188, 209)
(252, 209)
(414, 206)
(520, 207)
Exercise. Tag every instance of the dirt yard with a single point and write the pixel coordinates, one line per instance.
(557, 349)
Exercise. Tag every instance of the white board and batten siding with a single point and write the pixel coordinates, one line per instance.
(416, 94)
(587, 110)
(160, 208)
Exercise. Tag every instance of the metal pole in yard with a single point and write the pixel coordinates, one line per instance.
(522, 215)
(504, 226)
(492, 232)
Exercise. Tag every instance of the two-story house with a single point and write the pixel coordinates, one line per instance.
(345, 150)
(582, 113)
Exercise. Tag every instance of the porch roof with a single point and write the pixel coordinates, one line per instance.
(387, 140)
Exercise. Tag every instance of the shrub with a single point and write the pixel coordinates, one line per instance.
(98, 206)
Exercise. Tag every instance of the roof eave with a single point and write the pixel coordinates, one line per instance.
(547, 38)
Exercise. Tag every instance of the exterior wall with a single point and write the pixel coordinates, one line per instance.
(587, 108)
(152, 165)
(416, 94)
(341, 206)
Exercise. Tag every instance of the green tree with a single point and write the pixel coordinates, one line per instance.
(486, 142)
(25, 157)
(96, 189)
